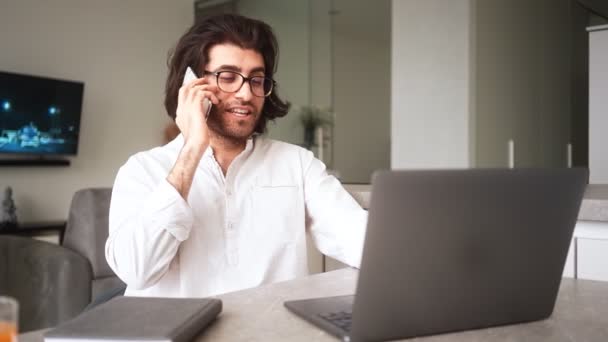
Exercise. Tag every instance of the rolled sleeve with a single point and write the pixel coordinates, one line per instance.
(148, 221)
(166, 209)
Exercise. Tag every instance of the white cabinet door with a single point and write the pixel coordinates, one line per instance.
(592, 258)
(591, 250)
(570, 262)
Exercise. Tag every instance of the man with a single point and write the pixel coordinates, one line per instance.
(221, 208)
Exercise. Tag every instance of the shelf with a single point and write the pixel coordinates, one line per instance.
(32, 229)
(34, 162)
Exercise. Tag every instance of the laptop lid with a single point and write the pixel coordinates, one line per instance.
(451, 250)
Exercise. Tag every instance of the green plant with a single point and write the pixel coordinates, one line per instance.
(312, 117)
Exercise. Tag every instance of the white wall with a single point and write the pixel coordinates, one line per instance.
(119, 49)
(430, 84)
(598, 106)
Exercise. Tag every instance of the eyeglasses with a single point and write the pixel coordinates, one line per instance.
(231, 82)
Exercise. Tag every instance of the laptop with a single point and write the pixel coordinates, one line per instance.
(452, 250)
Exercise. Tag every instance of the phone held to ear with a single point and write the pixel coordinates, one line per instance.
(191, 76)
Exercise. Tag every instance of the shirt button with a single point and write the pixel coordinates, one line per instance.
(228, 193)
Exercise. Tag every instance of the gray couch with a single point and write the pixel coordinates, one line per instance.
(54, 283)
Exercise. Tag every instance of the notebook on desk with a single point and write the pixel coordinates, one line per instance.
(139, 319)
(456, 250)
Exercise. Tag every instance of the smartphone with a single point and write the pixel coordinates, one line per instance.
(191, 76)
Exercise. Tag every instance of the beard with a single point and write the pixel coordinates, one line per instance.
(227, 126)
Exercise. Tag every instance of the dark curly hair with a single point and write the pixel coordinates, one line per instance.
(193, 47)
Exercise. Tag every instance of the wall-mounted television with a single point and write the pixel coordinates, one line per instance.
(39, 116)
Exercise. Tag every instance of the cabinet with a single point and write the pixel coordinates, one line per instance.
(522, 83)
(588, 255)
(500, 71)
(570, 266)
(592, 259)
(47, 230)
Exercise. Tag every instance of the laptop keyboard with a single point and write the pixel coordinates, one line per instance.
(342, 319)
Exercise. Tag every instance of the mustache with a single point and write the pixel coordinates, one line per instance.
(222, 106)
(238, 103)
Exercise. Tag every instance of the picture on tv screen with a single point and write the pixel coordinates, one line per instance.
(39, 115)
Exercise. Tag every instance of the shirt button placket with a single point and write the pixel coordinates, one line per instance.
(231, 249)
(231, 234)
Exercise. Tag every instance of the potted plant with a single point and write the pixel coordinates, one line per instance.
(313, 117)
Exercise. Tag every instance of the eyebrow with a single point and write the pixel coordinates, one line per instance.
(237, 69)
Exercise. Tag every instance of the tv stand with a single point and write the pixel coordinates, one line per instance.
(34, 162)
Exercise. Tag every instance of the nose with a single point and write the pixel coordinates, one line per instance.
(245, 92)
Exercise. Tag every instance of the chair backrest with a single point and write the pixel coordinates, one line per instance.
(86, 233)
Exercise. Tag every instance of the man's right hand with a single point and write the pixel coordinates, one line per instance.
(191, 110)
(191, 120)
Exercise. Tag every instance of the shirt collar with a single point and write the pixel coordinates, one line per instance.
(248, 148)
(178, 143)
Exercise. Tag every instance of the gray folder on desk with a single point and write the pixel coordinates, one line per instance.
(140, 319)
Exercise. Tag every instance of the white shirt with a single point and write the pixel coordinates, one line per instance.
(234, 232)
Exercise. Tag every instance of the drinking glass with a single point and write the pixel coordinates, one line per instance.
(9, 311)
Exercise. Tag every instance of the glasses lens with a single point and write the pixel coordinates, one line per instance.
(229, 81)
(261, 86)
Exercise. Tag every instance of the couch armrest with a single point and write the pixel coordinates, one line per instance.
(51, 282)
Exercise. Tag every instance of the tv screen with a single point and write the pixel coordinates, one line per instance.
(39, 116)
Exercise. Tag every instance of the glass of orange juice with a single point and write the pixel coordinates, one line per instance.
(9, 311)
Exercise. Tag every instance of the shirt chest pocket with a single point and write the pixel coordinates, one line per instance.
(275, 208)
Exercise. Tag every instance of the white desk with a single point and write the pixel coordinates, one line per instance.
(258, 314)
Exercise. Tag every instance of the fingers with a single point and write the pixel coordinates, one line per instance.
(198, 81)
(185, 90)
(192, 100)
(198, 88)
(205, 91)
